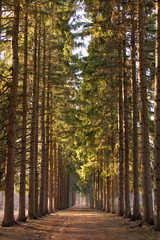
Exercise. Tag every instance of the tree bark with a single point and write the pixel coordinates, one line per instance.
(43, 151)
(47, 131)
(144, 130)
(37, 119)
(104, 185)
(113, 174)
(136, 206)
(51, 162)
(112, 147)
(9, 190)
(55, 175)
(93, 189)
(59, 177)
(120, 142)
(22, 215)
(127, 211)
(31, 209)
(157, 121)
(108, 209)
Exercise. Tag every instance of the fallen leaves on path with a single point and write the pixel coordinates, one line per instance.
(79, 224)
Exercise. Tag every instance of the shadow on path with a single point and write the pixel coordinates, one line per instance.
(79, 223)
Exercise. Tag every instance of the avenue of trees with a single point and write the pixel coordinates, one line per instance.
(71, 122)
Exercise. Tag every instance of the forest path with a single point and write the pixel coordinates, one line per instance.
(79, 224)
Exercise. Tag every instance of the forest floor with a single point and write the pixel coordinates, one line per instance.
(79, 224)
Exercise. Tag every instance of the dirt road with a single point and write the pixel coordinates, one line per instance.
(79, 224)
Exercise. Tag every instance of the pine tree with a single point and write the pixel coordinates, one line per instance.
(144, 131)
(9, 188)
(157, 121)
(21, 216)
(136, 203)
(31, 209)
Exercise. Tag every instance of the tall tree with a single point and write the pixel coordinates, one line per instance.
(9, 189)
(51, 187)
(21, 216)
(136, 202)
(37, 118)
(125, 131)
(144, 130)
(47, 128)
(31, 209)
(43, 132)
(120, 141)
(55, 175)
(157, 120)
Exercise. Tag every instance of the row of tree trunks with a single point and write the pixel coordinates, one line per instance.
(54, 175)
(53, 171)
(124, 182)
(144, 131)
(101, 187)
(59, 181)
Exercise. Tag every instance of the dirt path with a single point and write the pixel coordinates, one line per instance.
(79, 224)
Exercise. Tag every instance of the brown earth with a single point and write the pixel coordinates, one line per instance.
(79, 224)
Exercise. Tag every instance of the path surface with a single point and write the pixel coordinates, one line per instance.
(79, 224)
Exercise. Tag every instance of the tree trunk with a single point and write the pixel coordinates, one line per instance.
(120, 142)
(59, 177)
(9, 190)
(93, 190)
(31, 209)
(62, 185)
(43, 152)
(100, 184)
(144, 130)
(127, 210)
(104, 186)
(112, 147)
(37, 120)
(136, 206)
(47, 132)
(113, 174)
(108, 210)
(157, 121)
(55, 175)
(21, 215)
(66, 188)
(97, 187)
(51, 163)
